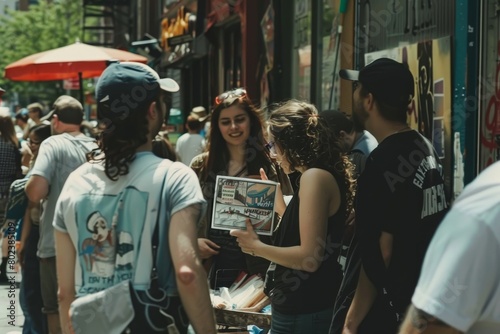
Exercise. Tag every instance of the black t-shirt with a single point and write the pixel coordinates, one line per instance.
(297, 291)
(401, 192)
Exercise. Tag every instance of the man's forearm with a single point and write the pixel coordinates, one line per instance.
(190, 275)
(26, 229)
(196, 301)
(363, 300)
(420, 322)
(64, 318)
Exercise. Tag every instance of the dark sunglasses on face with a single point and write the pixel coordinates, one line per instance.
(271, 148)
(237, 93)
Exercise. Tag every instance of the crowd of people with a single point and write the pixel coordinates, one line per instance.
(365, 240)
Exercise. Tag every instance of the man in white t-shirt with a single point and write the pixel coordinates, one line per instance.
(459, 286)
(191, 143)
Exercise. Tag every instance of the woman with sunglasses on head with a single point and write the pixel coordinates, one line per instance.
(304, 276)
(235, 147)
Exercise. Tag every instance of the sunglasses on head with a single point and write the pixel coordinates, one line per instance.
(237, 93)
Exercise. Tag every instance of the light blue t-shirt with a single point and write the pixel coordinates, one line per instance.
(58, 156)
(111, 223)
(366, 143)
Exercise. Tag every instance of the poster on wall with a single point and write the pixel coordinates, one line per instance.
(408, 56)
(442, 136)
(425, 93)
(490, 93)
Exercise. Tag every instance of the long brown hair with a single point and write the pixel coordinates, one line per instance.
(256, 155)
(7, 130)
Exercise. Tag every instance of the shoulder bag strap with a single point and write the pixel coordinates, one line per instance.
(155, 239)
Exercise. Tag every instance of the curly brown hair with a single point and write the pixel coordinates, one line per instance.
(306, 141)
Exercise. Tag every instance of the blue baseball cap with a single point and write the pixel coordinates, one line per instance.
(128, 86)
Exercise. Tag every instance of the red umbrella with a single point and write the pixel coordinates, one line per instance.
(67, 62)
(77, 60)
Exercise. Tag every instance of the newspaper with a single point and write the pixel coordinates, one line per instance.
(237, 199)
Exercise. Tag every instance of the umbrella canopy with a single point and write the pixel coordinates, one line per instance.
(72, 61)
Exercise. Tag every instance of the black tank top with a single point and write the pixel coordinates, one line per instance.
(297, 291)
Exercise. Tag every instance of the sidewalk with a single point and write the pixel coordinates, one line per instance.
(11, 315)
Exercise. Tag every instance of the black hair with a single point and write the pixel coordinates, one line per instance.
(120, 137)
(194, 124)
(388, 112)
(337, 121)
(41, 131)
(22, 116)
(163, 148)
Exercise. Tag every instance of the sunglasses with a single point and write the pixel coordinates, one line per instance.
(237, 93)
(271, 148)
(33, 142)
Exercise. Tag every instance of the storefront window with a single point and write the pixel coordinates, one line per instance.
(331, 45)
(232, 56)
(302, 47)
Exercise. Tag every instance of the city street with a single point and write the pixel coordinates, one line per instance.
(11, 315)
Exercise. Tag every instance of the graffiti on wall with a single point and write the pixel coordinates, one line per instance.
(490, 122)
(425, 88)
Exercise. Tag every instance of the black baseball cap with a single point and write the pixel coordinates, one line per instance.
(128, 86)
(68, 110)
(389, 81)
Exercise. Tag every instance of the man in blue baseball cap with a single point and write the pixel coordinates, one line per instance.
(134, 194)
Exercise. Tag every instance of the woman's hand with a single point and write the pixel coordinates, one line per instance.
(247, 239)
(207, 248)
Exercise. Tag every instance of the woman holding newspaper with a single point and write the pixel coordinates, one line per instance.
(236, 147)
(304, 275)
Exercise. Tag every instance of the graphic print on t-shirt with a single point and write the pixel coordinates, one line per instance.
(109, 233)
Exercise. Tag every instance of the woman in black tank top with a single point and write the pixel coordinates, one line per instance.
(304, 275)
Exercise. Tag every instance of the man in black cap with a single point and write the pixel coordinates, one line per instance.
(111, 207)
(400, 198)
(58, 156)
